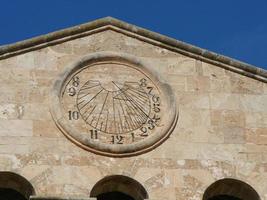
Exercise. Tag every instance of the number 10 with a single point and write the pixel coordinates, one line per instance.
(73, 115)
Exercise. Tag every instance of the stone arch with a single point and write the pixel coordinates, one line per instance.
(121, 184)
(12, 182)
(230, 189)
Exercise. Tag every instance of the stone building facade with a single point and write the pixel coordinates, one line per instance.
(210, 141)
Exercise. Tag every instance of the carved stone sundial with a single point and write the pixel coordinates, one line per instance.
(114, 105)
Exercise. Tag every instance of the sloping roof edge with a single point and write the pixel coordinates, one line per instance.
(140, 33)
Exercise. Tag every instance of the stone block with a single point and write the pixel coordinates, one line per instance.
(224, 101)
(227, 118)
(18, 128)
(254, 103)
(233, 135)
(212, 70)
(193, 101)
(244, 85)
(46, 128)
(198, 84)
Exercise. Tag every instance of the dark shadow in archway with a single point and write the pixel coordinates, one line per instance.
(230, 189)
(224, 197)
(14, 187)
(10, 194)
(118, 187)
(114, 196)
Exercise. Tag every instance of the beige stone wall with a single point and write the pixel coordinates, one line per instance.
(221, 130)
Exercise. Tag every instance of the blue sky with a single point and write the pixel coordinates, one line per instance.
(235, 28)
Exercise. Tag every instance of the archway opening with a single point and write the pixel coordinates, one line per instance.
(230, 189)
(14, 187)
(118, 187)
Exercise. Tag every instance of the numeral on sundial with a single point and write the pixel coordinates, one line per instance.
(149, 89)
(73, 115)
(156, 103)
(94, 134)
(151, 124)
(76, 81)
(144, 132)
(156, 108)
(155, 99)
(156, 119)
(143, 82)
(117, 139)
(132, 136)
(72, 91)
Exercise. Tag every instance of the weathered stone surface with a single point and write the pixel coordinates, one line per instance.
(221, 130)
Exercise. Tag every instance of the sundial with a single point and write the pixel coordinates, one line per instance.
(113, 104)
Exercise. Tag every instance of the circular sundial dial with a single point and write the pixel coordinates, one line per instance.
(114, 105)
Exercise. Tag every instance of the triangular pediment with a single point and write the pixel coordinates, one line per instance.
(164, 42)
